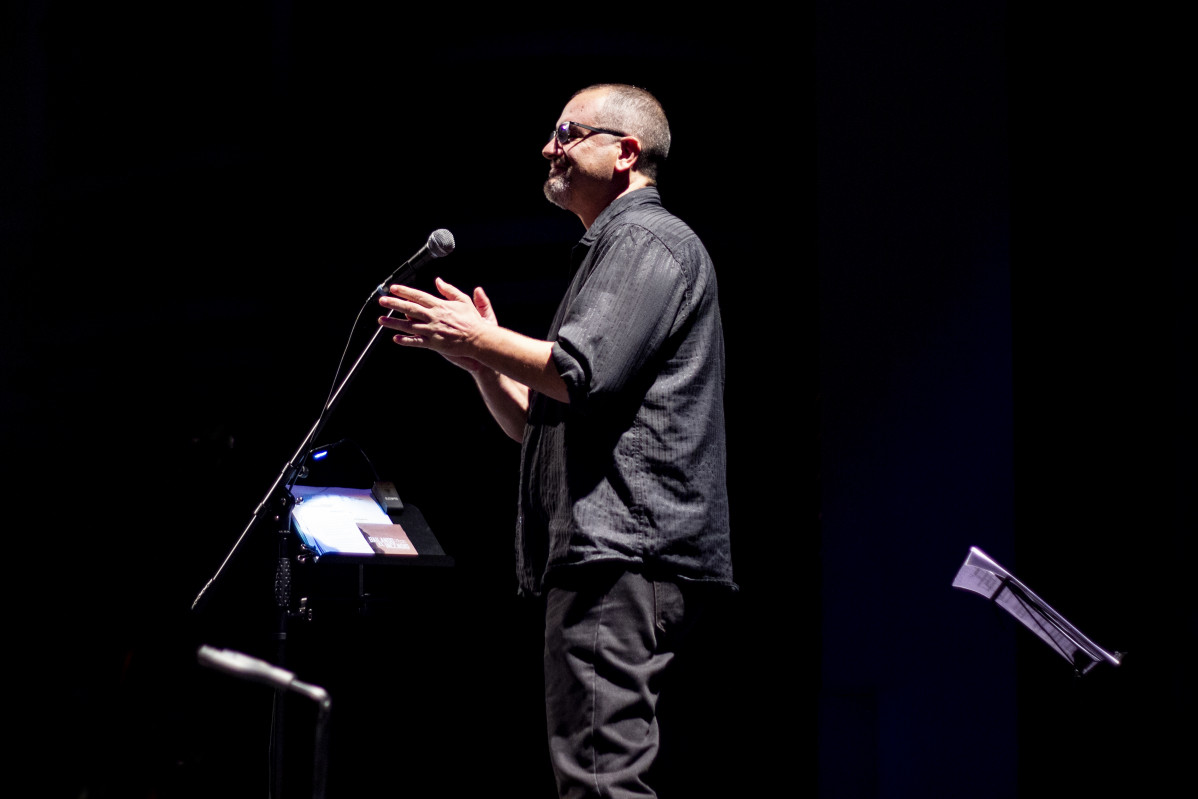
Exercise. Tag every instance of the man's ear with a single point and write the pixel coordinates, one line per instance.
(630, 154)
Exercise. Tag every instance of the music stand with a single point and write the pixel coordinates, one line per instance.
(980, 574)
(329, 575)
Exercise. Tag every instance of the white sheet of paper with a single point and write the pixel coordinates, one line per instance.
(330, 516)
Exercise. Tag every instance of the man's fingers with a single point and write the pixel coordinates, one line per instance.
(409, 309)
(451, 292)
(397, 323)
(411, 295)
(483, 303)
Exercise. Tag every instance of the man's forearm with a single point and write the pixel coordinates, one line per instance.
(526, 360)
(507, 401)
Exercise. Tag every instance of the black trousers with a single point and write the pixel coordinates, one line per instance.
(610, 636)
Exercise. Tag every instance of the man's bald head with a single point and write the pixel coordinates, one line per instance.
(637, 113)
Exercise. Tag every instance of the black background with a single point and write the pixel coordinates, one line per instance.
(955, 267)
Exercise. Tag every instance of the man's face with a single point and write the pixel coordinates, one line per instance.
(581, 170)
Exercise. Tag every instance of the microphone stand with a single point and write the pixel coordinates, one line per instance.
(290, 471)
(279, 495)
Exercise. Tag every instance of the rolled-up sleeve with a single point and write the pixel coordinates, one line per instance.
(620, 317)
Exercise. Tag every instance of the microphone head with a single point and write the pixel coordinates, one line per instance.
(440, 243)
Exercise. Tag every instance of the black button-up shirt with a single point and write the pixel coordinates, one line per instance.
(632, 470)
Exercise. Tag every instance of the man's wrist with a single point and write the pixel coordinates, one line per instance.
(485, 375)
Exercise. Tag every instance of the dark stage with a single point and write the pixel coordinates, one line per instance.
(955, 249)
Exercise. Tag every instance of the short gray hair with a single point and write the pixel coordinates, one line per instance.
(635, 112)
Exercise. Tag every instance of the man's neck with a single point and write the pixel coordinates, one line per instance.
(589, 216)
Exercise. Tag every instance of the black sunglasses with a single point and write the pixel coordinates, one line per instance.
(564, 136)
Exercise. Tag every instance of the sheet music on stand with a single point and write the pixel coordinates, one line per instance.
(982, 575)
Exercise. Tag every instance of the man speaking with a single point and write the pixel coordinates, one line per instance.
(623, 520)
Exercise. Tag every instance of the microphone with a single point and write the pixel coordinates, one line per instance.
(440, 243)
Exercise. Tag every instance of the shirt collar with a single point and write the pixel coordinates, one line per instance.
(637, 197)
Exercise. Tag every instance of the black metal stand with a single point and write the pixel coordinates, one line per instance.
(285, 502)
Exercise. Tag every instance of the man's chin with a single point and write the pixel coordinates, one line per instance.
(557, 192)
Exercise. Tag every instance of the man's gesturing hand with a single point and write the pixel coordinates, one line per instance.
(465, 331)
(448, 326)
